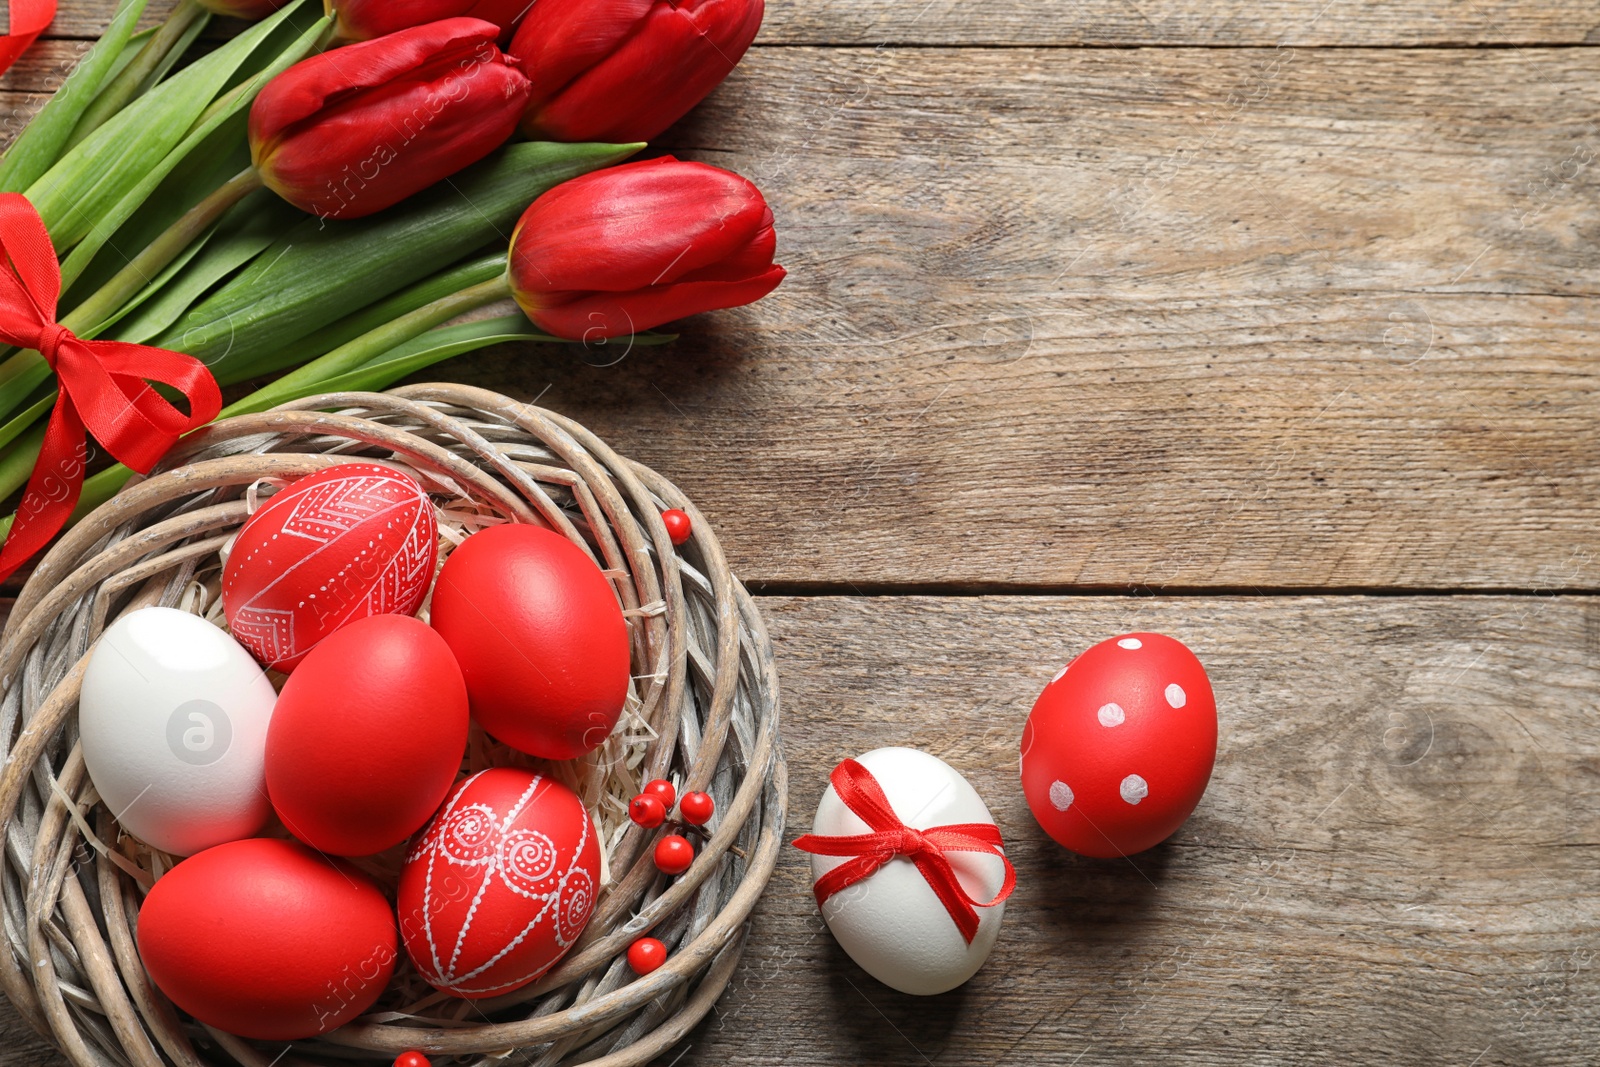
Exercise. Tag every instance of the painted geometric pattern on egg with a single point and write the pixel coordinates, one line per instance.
(376, 507)
(485, 851)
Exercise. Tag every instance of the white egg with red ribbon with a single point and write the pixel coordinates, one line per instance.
(909, 869)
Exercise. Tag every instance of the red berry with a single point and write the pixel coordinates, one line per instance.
(674, 854)
(663, 789)
(697, 808)
(678, 525)
(646, 954)
(411, 1058)
(647, 810)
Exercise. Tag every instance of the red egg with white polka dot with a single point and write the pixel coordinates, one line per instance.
(1120, 745)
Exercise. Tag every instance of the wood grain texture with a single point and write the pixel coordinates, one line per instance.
(1120, 22)
(1164, 318)
(1395, 862)
(1201, 318)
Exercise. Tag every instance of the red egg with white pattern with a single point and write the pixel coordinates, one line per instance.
(1119, 747)
(347, 543)
(500, 884)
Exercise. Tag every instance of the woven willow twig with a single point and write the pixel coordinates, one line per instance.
(703, 710)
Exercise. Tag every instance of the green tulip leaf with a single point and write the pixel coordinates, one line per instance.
(435, 346)
(42, 399)
(112, 219)
(39, 146)
(170, 58)
(84, 192)
(196, 176)
(470, 272)
(239, 237)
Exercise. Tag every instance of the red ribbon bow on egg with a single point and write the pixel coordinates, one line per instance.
(863, 795)
(103, 386)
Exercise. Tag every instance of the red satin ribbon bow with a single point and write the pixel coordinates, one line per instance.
(28, 20)
(102, 386)
(863, 795)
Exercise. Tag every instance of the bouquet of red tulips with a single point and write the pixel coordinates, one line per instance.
(327, 193)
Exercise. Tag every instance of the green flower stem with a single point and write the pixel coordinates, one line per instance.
(352, 326)
(368, 346)
(114, 97)
(25, 370)
(127, 282)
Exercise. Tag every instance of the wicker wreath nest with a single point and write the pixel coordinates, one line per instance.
(703, 710)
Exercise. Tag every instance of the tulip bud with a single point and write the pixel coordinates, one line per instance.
(627, 249)
(362, 20)
(624, 70)
(242, 9)
(358, 129)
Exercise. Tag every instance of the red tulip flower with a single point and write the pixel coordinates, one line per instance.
(624, 70)
(627, 249)
(358, 129)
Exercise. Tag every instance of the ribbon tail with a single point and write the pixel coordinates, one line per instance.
(846, 875)
(53, 488)
(938, 873)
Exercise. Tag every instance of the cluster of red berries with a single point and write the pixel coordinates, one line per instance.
(649, 809)
(674, 854)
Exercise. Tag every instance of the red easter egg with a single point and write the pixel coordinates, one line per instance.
(355, 540)
(540, 637)
(500, 884)
(266, 939)
(1119, 747)
(367, 736)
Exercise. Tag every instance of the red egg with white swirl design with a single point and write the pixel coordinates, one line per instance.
(498, 887)
(353, 541)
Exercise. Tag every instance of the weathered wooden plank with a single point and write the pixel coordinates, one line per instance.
(1110, 318)
(1122, 22)
(1395, 862)
(1197, 318)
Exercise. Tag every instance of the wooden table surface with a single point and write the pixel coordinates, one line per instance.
(1269, 325)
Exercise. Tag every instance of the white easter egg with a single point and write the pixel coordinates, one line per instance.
(173, 718)
(892, 923)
